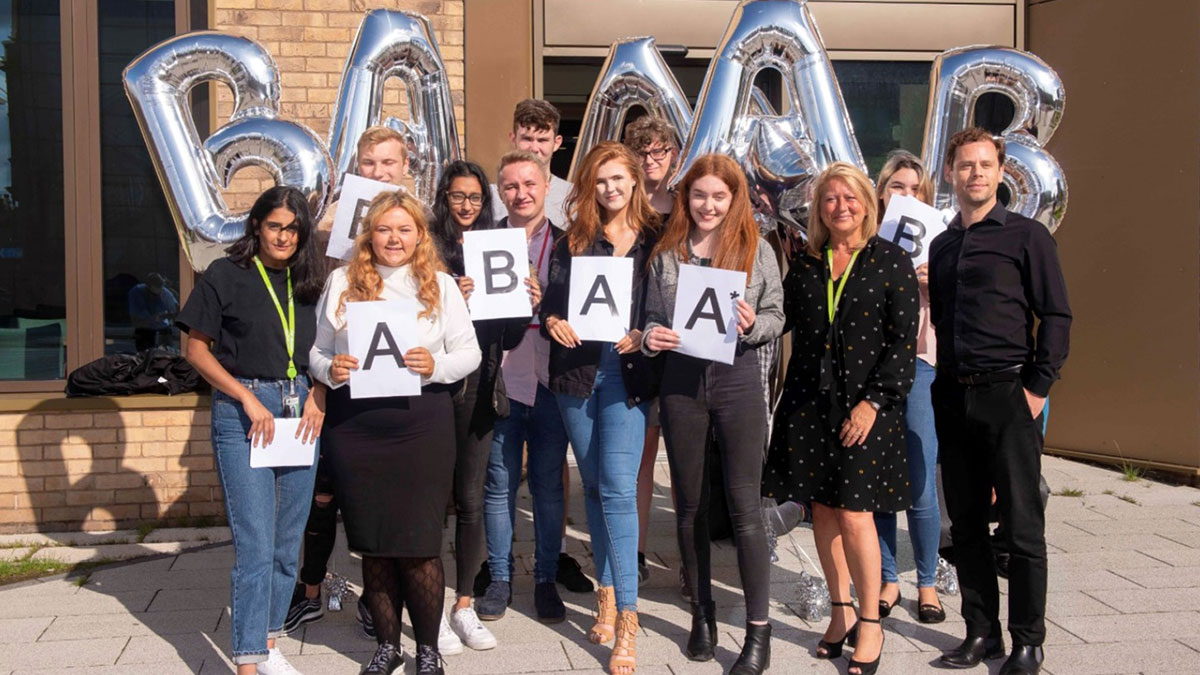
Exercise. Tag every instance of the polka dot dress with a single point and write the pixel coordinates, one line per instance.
(870, 354)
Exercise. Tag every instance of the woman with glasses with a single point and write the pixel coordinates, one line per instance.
(464, 204)
(652, 140)
(250, 323)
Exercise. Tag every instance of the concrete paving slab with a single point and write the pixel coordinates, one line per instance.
(191, 650)
(75, 555)
(131, 669)
(130, 625)
(173, 599)
(17, 553)
(1132, 627)
(1082, 542)
(53, 586)
(1143, 601)
(82, 603)
(1103, 659)
(82, 654)
(128, 578)
(220, 557)
(21, 631)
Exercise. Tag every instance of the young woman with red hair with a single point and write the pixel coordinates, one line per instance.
(603, 389)
(712, 225)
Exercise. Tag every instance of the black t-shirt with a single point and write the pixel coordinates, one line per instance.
(231, 305)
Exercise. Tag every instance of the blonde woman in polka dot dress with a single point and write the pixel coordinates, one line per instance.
(839, 438)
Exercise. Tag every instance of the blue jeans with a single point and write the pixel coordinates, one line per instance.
(267, 509)
(607, 436)
(924, 518)
(541, 426)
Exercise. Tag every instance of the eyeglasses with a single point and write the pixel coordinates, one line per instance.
(276, 228)
(656, 154)
(457, 198)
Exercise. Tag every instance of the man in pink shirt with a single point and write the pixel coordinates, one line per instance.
(523, 181)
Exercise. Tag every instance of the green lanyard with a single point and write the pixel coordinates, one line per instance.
(835, 300)
(289, 324)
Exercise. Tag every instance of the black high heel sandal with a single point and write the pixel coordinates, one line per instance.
(867, 668)
(833, 650)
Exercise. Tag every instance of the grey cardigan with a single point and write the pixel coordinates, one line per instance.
(764, 292)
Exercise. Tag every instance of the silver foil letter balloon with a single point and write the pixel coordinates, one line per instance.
(396, 44)
(633, 74)
(781, 154)
(192, 172)
(958, 79)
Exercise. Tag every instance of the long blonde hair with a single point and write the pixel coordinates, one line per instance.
(860, 185)
(584, 212)
(363, 282)
(903, 159)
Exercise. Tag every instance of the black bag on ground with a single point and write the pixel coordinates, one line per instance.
(152, 371)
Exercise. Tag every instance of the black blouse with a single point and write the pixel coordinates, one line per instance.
(231, 305)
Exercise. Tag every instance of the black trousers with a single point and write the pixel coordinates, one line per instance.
(474, 419)
(695, 394)
(320, 533)
(986, 439)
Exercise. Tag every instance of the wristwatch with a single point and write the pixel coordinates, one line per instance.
(874, 405)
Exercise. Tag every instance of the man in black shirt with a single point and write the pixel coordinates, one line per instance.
(998, 303)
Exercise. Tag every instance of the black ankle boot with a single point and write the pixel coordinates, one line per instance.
(703, 638)
(756, 651)
(429, 661)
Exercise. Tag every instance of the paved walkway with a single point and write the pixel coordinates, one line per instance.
(1124, 580)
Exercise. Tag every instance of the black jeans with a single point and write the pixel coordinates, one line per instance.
(474, 419)
(320, 532)
(696, 393)
(987, 438)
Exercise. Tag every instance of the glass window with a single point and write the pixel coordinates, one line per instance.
(32, 279)
(141, 249)
(887, 102)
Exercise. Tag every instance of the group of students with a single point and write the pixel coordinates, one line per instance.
(267, 328)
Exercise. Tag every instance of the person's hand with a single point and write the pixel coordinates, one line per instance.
(339, 371)
(856, 427)
(419, 360)
(466, 285)
(262, 422)
(535, 291)
(745, 316)
(314, 415)
(923, 276)
(630, 343)
(1036, 403)
(661, 338)
(562, 332)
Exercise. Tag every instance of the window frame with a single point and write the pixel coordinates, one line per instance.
(82, 228)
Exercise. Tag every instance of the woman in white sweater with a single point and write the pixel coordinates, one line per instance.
(392, 458)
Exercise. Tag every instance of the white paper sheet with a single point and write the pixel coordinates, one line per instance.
(605, 285)
(705, 315)
(285, 449)
(381, 371)
(357, 193)
(912, 224)
(498, 262)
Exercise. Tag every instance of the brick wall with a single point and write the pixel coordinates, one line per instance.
(70, 471)
(310, 40)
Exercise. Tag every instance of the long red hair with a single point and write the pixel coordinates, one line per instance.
(583, 212)
(738, 243)
(363, 282)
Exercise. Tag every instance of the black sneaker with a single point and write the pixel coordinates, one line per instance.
(549, 606)
(643, 569)
(429, 661)
(495, 601)
(482, 580)
(571, 576)
(386, 660)
(302, 610)
(365, 622)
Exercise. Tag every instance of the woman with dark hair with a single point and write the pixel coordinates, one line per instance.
(712, 224)
(462, 204)
(392, 457)
(603, 389)
(839, 427)
(250, 322)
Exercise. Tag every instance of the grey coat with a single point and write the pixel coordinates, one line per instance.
(764, 292)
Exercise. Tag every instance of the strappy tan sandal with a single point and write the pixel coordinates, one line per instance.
(624, 653)
(606, 616)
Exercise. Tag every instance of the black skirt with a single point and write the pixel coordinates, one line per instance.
(392, 464)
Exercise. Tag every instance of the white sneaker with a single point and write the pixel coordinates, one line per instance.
(448, 642)
(276, 664)
(471, 630)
